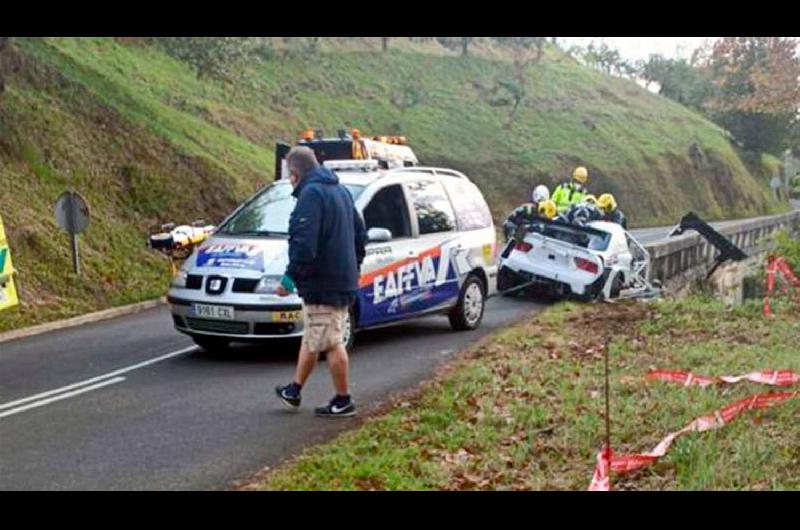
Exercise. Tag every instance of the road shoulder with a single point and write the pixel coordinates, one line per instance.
(81, 320)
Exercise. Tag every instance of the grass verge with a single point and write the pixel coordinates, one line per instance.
(524, 409)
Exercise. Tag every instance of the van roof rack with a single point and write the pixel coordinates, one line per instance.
(362, 165)
(430, 170)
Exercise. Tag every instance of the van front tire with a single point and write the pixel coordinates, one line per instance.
(468, 312)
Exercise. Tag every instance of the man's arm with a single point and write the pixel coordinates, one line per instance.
(361, 237)
(304, 227)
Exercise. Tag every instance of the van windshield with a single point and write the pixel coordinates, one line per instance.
(267, 213)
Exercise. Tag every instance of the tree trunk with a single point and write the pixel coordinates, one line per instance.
(385, 43)
(464, 44)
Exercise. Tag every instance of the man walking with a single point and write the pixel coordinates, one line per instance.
(326, 248)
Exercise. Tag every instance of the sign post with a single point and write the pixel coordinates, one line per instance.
(72, 215)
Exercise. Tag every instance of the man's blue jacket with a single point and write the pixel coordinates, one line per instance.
(326, 241)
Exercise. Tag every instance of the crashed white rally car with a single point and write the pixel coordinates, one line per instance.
(599, 259)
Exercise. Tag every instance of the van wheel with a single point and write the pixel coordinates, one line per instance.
(211, 344)
(468, 312)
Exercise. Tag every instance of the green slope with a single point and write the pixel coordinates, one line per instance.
(146, 141)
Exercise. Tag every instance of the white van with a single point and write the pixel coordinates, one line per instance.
(432, 248)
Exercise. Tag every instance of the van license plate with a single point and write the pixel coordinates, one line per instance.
(222, 312)
(287, 316)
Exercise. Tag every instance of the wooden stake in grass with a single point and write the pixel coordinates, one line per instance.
(608, 407)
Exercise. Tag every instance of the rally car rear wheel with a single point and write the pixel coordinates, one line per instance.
(468, 312)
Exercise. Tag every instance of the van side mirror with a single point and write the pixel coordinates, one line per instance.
(377, 234)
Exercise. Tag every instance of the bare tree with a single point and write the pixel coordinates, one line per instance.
(385, 43)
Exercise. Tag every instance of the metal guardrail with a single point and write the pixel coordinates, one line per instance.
(676, 255)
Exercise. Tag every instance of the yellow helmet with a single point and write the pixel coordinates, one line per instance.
(548, 208)
(580, 174)
(607, 202)
(591, 199)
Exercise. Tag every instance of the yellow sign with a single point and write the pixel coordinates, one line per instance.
(8, 292)
(287, 316)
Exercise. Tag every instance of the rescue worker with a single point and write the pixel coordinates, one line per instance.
(527, 212)
(608, 205)
(568, 193)
(548, 210)
(581, 213)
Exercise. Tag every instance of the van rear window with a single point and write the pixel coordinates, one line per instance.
(471, 209)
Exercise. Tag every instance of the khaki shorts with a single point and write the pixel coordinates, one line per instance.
(324, 327)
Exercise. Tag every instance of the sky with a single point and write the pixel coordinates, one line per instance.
(634, 48)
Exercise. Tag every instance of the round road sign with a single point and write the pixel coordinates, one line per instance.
(72, 212)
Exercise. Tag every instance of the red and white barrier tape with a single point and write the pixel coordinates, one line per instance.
(767, 377)
(777, 264)
(606, 462)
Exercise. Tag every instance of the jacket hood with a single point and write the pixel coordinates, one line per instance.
(320, 175)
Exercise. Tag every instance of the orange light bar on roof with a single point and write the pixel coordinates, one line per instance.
(307, 134)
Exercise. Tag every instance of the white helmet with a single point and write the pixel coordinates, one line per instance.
(540, 194)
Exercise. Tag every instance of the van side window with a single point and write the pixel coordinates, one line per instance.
(388, 209)
(471, 208)
(434, 211)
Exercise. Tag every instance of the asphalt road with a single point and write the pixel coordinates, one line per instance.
(130, 404)
(189, 420)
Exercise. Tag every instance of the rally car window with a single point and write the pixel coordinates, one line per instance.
(471, 208)
(388, 209)
(575, 235)
(434, 211)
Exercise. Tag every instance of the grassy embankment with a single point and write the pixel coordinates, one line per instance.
(147, 141)
(524, 409)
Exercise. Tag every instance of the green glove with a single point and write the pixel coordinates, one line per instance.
(287, 283)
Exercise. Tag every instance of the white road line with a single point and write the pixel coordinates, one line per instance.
(115, 373)
(59, 397)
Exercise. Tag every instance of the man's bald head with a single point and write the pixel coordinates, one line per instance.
(301, 160)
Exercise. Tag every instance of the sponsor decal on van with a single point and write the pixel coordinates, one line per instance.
(231, 255)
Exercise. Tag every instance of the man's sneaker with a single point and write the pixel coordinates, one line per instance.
(339, 407)
(289, 395)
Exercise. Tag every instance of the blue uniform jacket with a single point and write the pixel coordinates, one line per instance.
(326, 241)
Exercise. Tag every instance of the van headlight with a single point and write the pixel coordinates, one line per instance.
(267, 285)
(179, 280)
